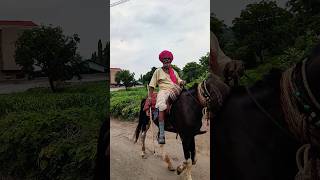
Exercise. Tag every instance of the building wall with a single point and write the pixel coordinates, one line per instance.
(113, 72)
(9, 36)
(1, 63)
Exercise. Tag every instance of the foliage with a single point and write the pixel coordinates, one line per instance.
(263, 28)
(177, 69)
(51, 136)
(103, 55)
(216, 26)
(147, 77)
(191, 71)
(301, 49)
(126, 77)
(106, 54)
(100, 52)
(126, 104)
(49, 48)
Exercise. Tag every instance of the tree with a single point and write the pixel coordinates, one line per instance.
(106, 54)
(147, 77)
(100, 52)
(94, 57)
(263, 28)
(306, 13)
(216, 25)
(204, 63)
(177, 69)
(191, 71)
(126, 77)
(49, 48)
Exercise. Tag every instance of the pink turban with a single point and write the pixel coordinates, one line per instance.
(165, 54)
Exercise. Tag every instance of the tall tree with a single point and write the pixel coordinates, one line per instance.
(94, 57)
(106, 54)
(100, 52)
(49, 48)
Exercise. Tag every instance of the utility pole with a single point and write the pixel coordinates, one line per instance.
(118, 3)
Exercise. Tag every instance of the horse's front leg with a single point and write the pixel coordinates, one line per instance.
(143, 141)
(193, 151)
(166, 158)
(187, 164)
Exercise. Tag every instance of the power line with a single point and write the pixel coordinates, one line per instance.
(118, 3)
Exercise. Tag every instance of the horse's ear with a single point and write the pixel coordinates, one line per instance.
(315, 53)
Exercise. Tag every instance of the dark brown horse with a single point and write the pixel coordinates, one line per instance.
(185, 119)
(251, 139)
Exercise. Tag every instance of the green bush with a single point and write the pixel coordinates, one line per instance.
(51, 136)
(126, 104)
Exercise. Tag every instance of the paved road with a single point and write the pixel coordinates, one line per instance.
(23, 85)
(119, 88)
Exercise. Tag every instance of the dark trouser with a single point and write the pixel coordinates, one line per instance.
(161, 139)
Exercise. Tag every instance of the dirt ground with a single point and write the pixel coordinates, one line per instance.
(127, 164)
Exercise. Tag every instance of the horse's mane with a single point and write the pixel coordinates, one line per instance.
(270, 79)
(192, 90)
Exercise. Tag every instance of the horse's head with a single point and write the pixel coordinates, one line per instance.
(313, 72)
(215, 90)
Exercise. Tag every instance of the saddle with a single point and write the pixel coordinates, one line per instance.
(155, 112)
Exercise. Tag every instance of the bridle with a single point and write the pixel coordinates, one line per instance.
(204, 95)
(307, 100)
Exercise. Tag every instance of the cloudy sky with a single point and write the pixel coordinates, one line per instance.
(227, 10)
(83, 17)
(141, 29)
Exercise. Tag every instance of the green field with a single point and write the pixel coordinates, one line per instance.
(47, 135)
(126, 104)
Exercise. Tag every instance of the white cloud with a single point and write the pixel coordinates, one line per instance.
(141, 29)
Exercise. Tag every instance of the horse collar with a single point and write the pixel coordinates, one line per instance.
(306, 85)
(310, 106)
(204, 96)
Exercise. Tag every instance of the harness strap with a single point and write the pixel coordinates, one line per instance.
(306, 85)
(268, 114)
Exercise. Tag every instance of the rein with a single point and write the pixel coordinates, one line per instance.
(266, 113)
(204, 94)
(306, 85)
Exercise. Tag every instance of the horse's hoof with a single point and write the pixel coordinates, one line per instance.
(170, 168)
(180, 169)
(143, 155)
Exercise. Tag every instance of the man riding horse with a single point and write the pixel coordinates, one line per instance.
(170, 83)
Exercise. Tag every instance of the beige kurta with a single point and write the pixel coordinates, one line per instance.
(166, 87)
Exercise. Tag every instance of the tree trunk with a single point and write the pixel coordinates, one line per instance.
(52, 85)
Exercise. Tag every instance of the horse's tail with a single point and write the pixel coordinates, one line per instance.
(143, 121)
(103, 152)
